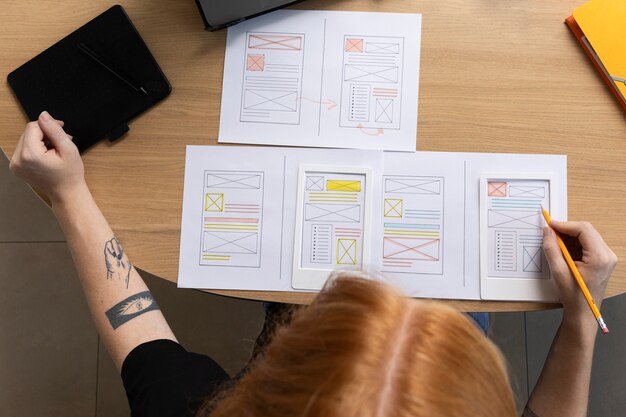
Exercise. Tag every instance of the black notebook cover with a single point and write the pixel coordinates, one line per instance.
(93, 102)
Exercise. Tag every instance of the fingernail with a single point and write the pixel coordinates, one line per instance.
(45, 116)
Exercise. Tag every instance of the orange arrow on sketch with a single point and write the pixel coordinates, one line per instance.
(331, 104)
(378, 132)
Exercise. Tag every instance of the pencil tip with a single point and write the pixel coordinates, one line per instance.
(143, 90)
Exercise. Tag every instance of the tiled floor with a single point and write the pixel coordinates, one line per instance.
(51, 363)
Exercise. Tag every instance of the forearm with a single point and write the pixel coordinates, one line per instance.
(123, 310)
(563, 386)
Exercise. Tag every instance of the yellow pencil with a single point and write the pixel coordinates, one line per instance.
(578, 277)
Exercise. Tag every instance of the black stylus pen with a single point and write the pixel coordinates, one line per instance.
(93, 55)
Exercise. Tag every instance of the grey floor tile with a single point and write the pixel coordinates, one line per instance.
(23, 216)
(541, 326)
(111, 395)
(607, 396)
(48, 348)
(608, 377)
(508, 331)
(221, 327)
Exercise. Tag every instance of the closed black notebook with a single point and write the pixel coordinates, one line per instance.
(96, 79)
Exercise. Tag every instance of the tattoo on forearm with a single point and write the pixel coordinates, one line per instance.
(133, 306)
(117, 263)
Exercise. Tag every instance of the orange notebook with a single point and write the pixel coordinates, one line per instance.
(600, 27)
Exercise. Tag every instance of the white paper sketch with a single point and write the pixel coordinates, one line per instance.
(513, 264)
(438, 225)
(413, 219)
(333, 222)
(232, 218)
(272, 78)
(371, 88)
(322, 79)
(515, 227)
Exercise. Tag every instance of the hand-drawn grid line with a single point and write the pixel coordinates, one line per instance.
(532, 259)
(244, 115)
(316, 252)
(413, 185)
(221, 179)
(498, 262)
(355, 124)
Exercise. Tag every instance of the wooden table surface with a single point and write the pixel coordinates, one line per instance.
(502, 76)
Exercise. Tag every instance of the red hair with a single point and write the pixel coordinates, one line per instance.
(362, 350)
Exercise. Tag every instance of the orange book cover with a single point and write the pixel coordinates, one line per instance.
(600, 27)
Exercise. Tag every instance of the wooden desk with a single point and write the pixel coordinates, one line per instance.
(495, 77)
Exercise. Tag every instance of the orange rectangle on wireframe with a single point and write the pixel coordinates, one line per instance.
(354, 45)
(230, 220)
(255, 62)
(496, 189)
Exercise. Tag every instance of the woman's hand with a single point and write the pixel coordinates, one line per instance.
(594, 259)
(47, 159)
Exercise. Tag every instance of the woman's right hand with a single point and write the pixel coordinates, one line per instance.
(596, 264)
(47, 159)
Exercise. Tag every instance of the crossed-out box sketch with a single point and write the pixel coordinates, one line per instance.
(532, 258)
(214, 202)
(255, 62)
(287, 42)
(384, 110)
(217, 179)
(521, 191)
(411, 248)
(392, 207)
(230, 242)
(343, 185)
(346, 252)
(413, 185)
(354, 45)
(349, 213)
(382, 48)
(371, 73)
(314, 183)
(270, 100)
(515, 219)
(496, 189)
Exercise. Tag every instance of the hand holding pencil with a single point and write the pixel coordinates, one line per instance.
(593, 262)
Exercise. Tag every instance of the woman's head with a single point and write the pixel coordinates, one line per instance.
(362, 350)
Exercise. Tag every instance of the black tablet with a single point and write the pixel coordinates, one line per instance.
(218, 14)
(96, 79)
